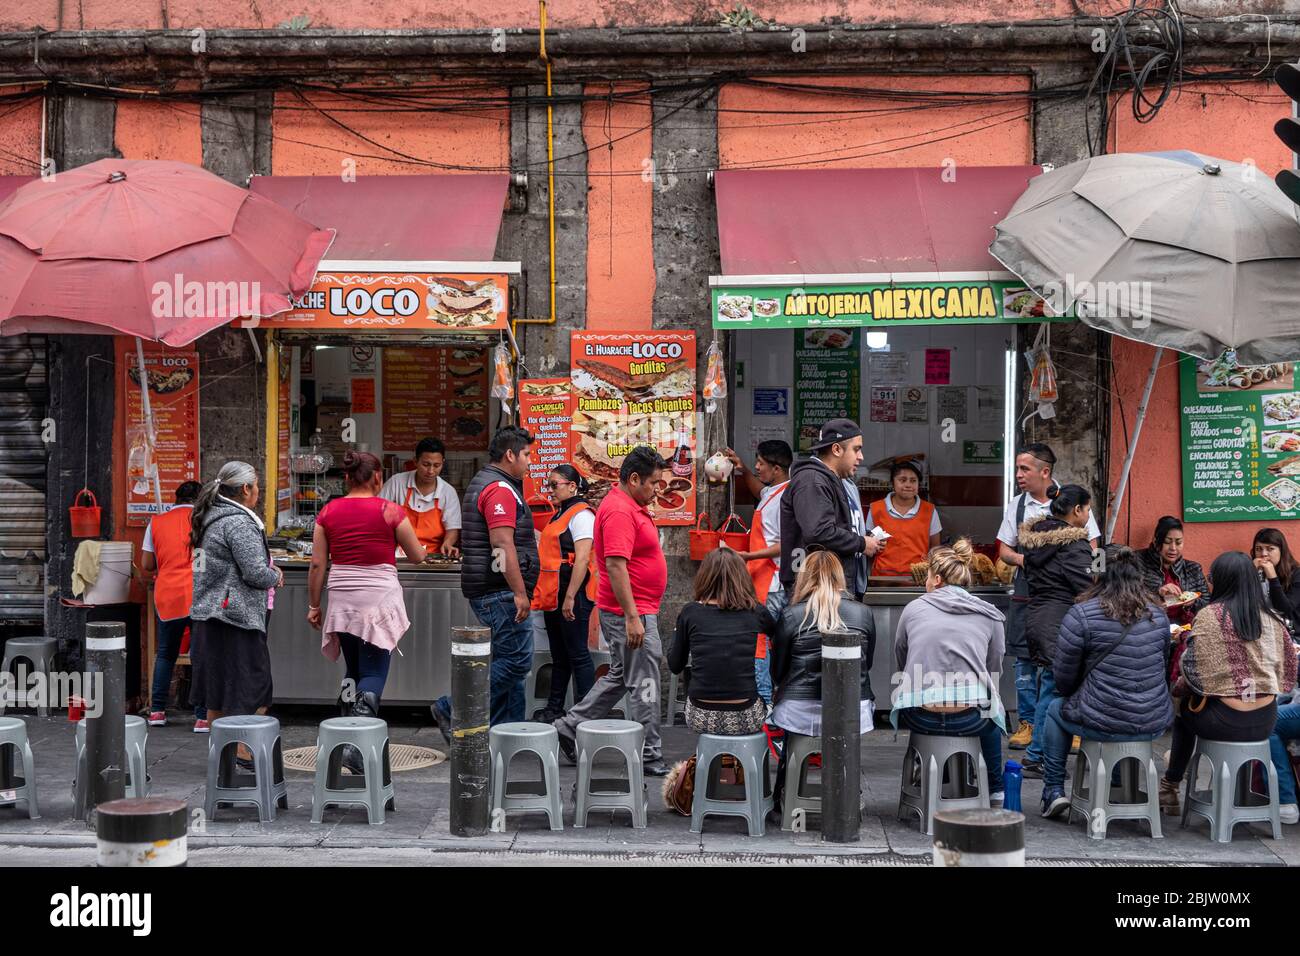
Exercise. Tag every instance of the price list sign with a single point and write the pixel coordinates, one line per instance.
(546, 411)
(173, 381)
(441, 392)
(1236, 466)
(827, 381)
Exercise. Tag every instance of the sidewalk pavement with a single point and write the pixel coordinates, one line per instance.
(418, 832)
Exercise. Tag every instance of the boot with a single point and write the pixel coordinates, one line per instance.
(1169, 805)
(345, 709)
(366, 705)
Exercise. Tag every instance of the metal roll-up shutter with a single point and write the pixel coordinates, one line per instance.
(23, 399)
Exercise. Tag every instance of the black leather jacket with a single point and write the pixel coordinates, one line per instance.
(796, 654)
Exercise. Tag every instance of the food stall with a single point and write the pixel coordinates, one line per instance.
(870, 294)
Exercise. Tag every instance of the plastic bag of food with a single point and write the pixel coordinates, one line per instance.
(1042, 379)
(715, 380)
(140, 464)
(503, 385)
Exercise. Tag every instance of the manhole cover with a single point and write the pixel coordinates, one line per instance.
(401, 756)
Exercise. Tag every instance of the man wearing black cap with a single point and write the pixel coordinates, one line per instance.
(817, 513)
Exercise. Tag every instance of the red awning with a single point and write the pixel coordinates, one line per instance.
(803, 222)
(449, 218)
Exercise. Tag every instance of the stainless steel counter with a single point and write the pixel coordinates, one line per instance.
(419, 672)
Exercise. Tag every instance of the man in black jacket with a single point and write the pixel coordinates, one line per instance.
(817, 513)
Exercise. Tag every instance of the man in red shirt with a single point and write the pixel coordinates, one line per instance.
(626, 545)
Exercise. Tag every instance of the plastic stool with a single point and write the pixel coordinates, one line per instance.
(752, 754)
(39, 652)
(1093, 796)
(505, 742)
(13, 734)
(137, 776)
(676, 706)
(261, 735)
(628, 738)
(1219, 804)
(926, 796)
(373, 790)
(798, 748)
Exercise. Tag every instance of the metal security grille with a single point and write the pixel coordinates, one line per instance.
(23, 399)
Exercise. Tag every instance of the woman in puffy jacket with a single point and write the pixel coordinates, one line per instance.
(1111, 657)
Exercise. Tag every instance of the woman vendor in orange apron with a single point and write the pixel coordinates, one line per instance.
(913, 524)
(566, 588)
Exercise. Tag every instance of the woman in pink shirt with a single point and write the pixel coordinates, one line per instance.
(356, 538)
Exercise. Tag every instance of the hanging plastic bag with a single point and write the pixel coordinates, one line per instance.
(503, 385)
(1043, 390)
(140, 464)
(715, 381)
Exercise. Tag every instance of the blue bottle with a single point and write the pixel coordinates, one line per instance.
(1011, 778)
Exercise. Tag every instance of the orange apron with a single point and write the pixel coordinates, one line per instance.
(546, 596)
(762, 570)
(427, 524)
(174, 586)
(909, 539)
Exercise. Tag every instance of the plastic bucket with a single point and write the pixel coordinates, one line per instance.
(114, 583)
(84, 519)
(543, 510)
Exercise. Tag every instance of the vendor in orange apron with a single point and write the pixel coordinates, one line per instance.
(436, 515)
(566, 589)
(913, 524)
(761, 561)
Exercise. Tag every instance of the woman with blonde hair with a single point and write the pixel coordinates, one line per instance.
(948, 649)
(818, 603)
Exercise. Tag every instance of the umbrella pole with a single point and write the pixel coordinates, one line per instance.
(148, 419)
(1133, 444)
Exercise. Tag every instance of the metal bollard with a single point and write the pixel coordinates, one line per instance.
(841, 737)
(142, 832)
(105, 728)
(979, 838)
(471, 660)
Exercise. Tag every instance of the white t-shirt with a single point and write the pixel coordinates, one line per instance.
(148, 532)
(935, 526)
(1009, 534)
(582, 525)
(769, 499)
(444, 495)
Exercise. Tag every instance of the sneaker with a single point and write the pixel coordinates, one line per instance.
(157, 718)
(1169, 804)
(655, 768)
(1289, 813)
(202, 727)
(443, 720)
(1032, 769)
(996, 799)
(1074, 745)
(1023, 736)
(1055, 802)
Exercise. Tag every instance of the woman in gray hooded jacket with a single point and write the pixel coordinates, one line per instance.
(234, 581)
(948, 649)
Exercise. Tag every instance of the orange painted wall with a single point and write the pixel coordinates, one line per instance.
(1236, 125)
(879, 132)
(620, 214)
(20, 138)
(148, 130)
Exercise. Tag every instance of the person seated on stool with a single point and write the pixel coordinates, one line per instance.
(1240, 657)
(1111, 659)
(948, 649)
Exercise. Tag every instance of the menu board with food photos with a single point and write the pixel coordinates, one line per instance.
(1241, 440)
(546, 411)
(174, 401)
(827, 376)
(630, 389)
(435, 391)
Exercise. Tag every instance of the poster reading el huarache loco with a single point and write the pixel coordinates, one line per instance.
(174, 401)
(636, 388)
(545, 410)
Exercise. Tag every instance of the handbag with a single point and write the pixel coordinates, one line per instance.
(679, 787)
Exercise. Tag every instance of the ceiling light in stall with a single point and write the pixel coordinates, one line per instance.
(877, 340)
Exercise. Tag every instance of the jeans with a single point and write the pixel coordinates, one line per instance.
(1046, 694)
(1026, 690)
(512, 657)
(367, 665)
(1057, 736)
(1286, 728)
(169, 648)
(763, 678)
(569, 654)
(963, 723)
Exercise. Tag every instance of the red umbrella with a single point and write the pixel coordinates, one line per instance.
(152, 248)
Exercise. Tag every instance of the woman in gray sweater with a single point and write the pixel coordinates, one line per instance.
(948, 649)
(234, 586)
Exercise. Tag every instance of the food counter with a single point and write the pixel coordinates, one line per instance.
(420, 666)
(887, 596)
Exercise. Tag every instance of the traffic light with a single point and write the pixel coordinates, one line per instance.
(1288, 129)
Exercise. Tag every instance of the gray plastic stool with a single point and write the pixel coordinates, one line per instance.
(628, 738)
(265, 788)
(1220, 803)
(373, 790)
(505, 742)
(676, 706)
(1093, 796)
(137, 776)
(37, 651)
(13, 745)
(752, 754)
(798, 748)
(930, 788)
